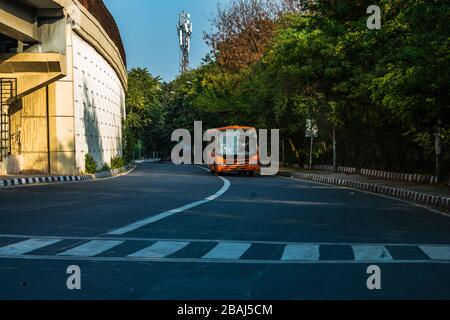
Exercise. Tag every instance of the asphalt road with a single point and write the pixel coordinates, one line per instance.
(168, 232)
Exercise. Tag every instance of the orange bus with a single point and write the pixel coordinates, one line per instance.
(232, 140)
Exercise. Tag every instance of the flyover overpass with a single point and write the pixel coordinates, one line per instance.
(63, 71)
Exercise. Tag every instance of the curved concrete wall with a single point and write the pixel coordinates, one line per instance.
(99, 105)
(78, 108)
(90, 29)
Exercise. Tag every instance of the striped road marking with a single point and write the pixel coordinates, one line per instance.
(371, 253)
(228, 251)
(224, 251)
(27, 246)
(160, 249)
(164, 215)
(436, 253)
(91, 248)
(295, 252)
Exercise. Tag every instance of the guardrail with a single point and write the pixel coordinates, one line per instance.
(399, 176)
(348, 170)
(388, 175)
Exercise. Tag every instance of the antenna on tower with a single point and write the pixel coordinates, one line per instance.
(184, 29)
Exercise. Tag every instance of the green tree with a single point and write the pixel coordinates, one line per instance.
(146, 112)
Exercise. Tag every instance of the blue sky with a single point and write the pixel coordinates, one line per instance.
(148, 29)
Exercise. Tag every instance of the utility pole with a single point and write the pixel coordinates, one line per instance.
(184, 29)
(334, 121)
(335, 166)
(437, 137)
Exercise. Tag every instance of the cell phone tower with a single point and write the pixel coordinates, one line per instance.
(184, 29)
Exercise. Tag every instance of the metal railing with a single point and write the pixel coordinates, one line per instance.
(8, 95)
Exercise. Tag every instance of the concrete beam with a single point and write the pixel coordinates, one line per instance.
(44, 4)
(18, 21)
(50, 13)
(33, 70)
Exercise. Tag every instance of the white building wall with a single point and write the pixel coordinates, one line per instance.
(99, 105)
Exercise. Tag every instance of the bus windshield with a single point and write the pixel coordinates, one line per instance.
(232, 142)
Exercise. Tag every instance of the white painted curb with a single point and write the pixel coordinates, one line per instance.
(60, 179)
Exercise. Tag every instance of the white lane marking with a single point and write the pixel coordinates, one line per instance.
(91, 248)
(436, 253)
(370, 253)
(301, 252)
(27, 246)
(160, 249)
(231, 251)
(158, 217)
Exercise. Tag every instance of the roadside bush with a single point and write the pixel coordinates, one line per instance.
(118, 162)
(90, 164)
(106, 167)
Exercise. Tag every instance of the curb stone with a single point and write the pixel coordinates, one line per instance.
(41, 180)
(110, 173)
(424, 198)
(59, 179)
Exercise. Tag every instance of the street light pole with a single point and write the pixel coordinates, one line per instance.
(311, 153)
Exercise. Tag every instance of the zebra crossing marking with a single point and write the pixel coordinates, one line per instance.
(91, 248)
(228, 251)
(160, 249)
(27, 246)
(295, 252)
(436, 252)
(223, 252)
(371, 253)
